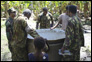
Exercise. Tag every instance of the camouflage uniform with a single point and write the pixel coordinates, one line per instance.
(9, 32)
(74, 38)
(19, 38)
(44, 20)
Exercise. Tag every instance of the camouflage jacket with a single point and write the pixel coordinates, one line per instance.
(74, 34)
(45, 20)
(20, 33)
(9, 28)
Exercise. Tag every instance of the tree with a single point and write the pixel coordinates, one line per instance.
(86, 9)
(55, 7)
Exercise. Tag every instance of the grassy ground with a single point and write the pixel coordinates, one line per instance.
(5, 53)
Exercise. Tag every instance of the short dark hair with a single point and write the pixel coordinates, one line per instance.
(39, 43)
(73, 9)
(45, 9)
(67, 7)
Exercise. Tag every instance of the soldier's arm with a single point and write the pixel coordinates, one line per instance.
(52, 19)
(81, 32)
(8, 30)
(29, 30)
(69, 34)
(81, 35)
(55, 25)
(37, 23)
(33, 33)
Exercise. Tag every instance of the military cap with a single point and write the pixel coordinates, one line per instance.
(28, 11)
(11, 10)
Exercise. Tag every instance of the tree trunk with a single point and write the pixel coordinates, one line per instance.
(78, 5)
(90, 9)
(6, 13)
(85, 9)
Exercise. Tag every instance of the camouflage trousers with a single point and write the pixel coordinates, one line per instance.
(9, 46)
(19, 54)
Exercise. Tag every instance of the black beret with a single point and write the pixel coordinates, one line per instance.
(67, 7)
(45, 9)
(73, 9)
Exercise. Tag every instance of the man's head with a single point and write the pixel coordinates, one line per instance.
(67, 7)
(27, 13)
(45, 10)
(11, 12)
(72, 10)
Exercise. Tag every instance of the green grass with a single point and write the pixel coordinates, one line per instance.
(3, 32)
(2, 23)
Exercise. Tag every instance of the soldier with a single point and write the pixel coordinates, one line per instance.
(21, 29)
(74, 35)
(9, 27)
(44, 19)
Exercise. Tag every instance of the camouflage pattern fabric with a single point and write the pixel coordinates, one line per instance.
(74, 38)
(9, 32)
(19, 39)
(45, 20)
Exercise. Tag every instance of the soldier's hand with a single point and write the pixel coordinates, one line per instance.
(62, 50)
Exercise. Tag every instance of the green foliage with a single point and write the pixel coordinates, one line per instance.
(36, 6)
